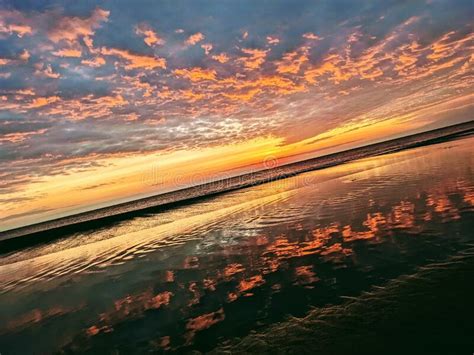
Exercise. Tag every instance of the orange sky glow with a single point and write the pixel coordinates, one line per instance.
(99, 107)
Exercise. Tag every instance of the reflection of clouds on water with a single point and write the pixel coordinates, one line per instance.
(202, 271)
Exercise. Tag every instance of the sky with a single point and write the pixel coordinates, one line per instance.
(108, 101)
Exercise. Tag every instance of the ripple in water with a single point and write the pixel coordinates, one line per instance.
(198, 276)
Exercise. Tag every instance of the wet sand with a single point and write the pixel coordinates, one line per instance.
(46, 231)
(371, 255)
(393, 319)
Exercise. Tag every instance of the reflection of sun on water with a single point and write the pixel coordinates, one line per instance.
(255, 243)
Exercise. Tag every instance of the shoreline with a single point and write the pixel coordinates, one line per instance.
(52, 229)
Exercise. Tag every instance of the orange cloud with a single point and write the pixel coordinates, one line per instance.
(25, 55)
(292, 61)
(135, 60)
(47, 71)
(196, 74)
(332, 65)
(95, 62)
(221, 58)
(111, 101)
(149, 36)
(20, 136)
(70, 53)
(87, 107)
(444, 53)
(89, 42)
(195, 38)
(19, 29)
(191, 96)
(146, 88)
(407, 58)
(71, 28)
(441, 48)
(28, 92)
(42, 101)
(280, 84)
(254, 59)
(246, 96)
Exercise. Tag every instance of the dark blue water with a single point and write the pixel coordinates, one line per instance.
(230, 271)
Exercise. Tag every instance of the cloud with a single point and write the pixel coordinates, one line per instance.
(254, 58)
(45, 70)
(111, 101)
(14, 22)
(19, 136)
(25, 55)
(135, 61)
(42, 101)
(69, 53)
(94, 62)
(71, 28)
(195, 38)
(272, 40)
(19, 30)
(196, 74)
(27, 92)
(221, 58)
(245, 96)
(149, 36)
(87, 107)
(291, 62)
(311, 36)
(207, 48)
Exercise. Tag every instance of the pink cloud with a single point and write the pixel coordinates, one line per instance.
(136, 61)
(25, 55)
(14, 22)
(311, 36)
(273, 40)
(207, 48)
(70, 53)
(42, 101)
(221, 58)
(95, 62)
(46, 71)
(20, 136)
(149, 36)
(195, 38)
(71, 28)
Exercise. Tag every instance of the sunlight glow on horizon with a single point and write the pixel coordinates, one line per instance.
(98, 107)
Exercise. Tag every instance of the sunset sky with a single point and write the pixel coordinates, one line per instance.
(107, 101)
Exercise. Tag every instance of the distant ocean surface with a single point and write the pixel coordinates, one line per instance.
(372, 256)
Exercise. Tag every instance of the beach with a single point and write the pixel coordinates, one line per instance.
(309, 256)
(55, 228)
